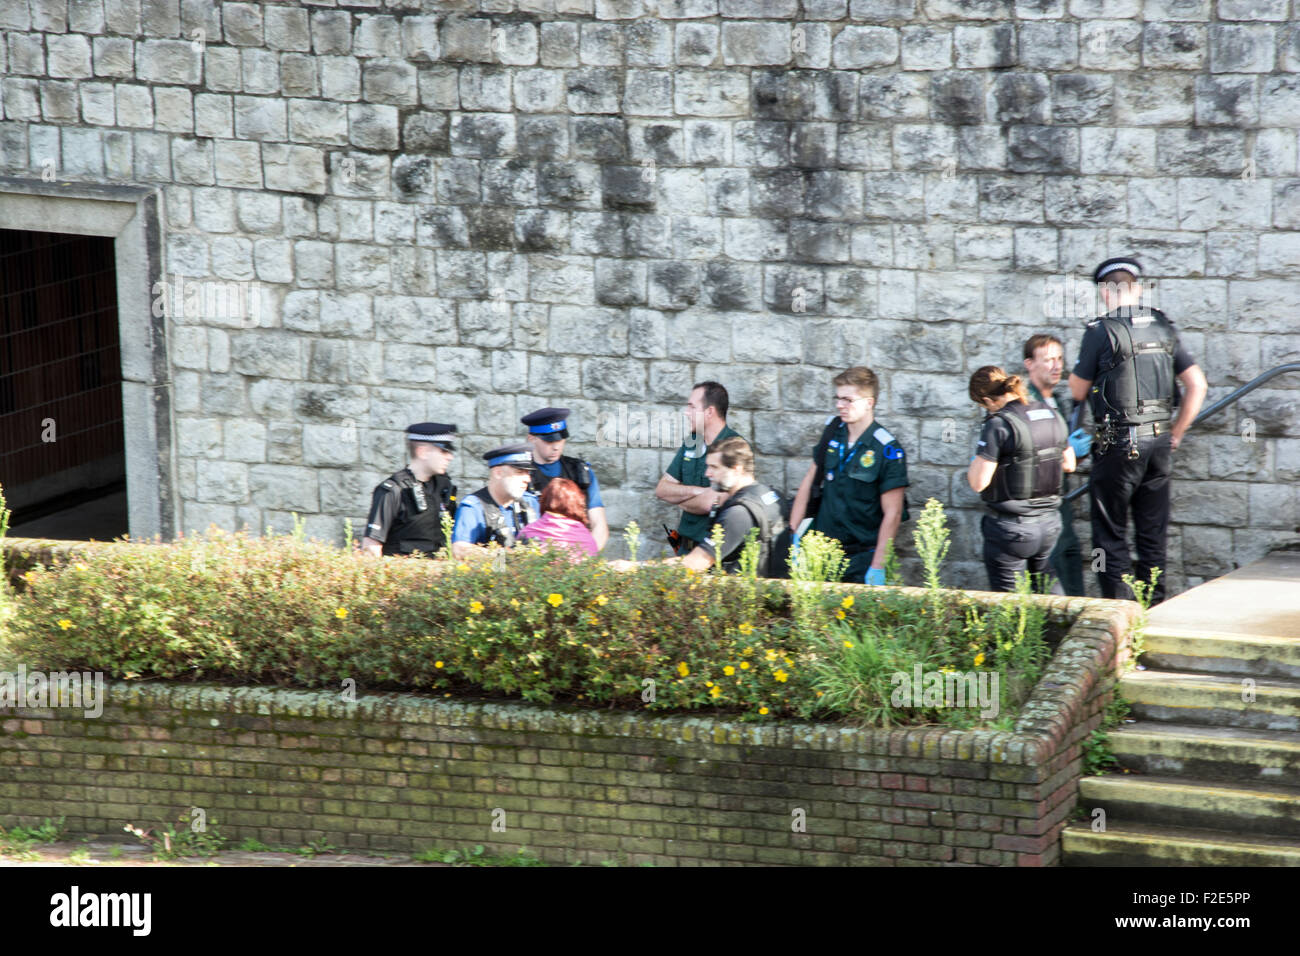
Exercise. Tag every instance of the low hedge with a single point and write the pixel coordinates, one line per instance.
(231, 608)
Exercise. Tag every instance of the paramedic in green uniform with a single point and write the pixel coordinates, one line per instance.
(684, 484)
(859, 476)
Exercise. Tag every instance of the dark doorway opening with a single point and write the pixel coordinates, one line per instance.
(62, 454)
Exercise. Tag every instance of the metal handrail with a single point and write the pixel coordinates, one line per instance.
(1217, 407)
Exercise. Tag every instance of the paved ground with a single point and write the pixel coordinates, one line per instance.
(118, 854)
(1258, 600)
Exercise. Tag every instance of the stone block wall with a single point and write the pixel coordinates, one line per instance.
(406, 773)
(462, 211)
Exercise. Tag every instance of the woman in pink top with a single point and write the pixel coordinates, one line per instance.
(563, 521)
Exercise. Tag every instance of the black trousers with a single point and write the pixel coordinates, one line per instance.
(1012, 546)
(1120, 486)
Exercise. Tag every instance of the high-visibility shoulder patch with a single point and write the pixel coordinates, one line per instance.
(1038, 414)
(883, 436)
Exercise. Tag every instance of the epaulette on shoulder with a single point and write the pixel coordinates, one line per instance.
(882, 435)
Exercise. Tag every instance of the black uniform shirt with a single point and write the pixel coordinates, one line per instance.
(395, 519)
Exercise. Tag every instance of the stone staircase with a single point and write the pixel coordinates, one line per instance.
(1215, 776)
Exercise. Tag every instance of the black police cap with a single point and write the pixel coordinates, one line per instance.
(435, 432)
(1118, 264)
(549, 424)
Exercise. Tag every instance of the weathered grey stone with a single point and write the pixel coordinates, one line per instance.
(1218, 204)
(1011, 199)
(1152, 98)
(1199, 151)
(620, 282)
(1110, 45)
(340, 78)
(699, 336)
(793, 289)
(1240, 48)
(902, 96)
(1117, 152)
(673, 285)
(984, 47)
(1079, 200)
(1049, 45)
(704, 93)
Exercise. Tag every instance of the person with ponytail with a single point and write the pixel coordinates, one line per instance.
(1022, 454)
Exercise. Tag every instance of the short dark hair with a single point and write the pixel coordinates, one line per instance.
(734, 452)
(715, 396)
(1041, 340)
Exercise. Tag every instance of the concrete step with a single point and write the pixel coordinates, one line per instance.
(1172, 846)
(1208, 753)
(1210, 652)
(1241, 808)
(1214, 699)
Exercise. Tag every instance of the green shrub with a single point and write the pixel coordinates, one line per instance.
(235, 609)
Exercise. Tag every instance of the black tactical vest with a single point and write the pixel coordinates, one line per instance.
(764, 507)
(575, 469)
(1137, 387)
(1035, 469)
(418, 525)
(495, 518)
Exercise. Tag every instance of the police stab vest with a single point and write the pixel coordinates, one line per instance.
(576, 470)
(1035, 468)
(764, 507)
(1137, 388)
(495, 519)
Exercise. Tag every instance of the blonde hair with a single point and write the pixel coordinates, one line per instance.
(990, 381)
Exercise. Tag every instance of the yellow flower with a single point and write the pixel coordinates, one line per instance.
(476, 607)
(602, 600)
(819, 693)
(762, 710)
(683, 669)
(748, 650)
(746, 628)
(947, 670)
(744, 665)
(847, 603)
(514, 603)
(848, 644)
(728, 670)
(979, 658)
(554, 600)
(462, 567)
(65, 624)
(341, 613)
(781, 676)
(788, 660)
(840, 615)
(438, 664)
(708, 683)
(771, 655)
(715, 692)
(79, 566)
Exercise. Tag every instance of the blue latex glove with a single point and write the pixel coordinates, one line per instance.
(875, 576)
(1081, 442)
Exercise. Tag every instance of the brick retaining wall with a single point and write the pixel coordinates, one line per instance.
(400, 772)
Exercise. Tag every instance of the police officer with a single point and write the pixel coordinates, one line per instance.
(407, 508)
(1022, 453)
(548, 432)
(684, 484)
(1044, 357)
(1127, 365)
(749, 504)
(496, 513)
(855, 489)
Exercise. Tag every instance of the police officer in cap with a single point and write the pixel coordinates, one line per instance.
(548, 432)
(496, 513)
(407, 508)
(1127, 365)
(729, 466)
(1022, 453)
